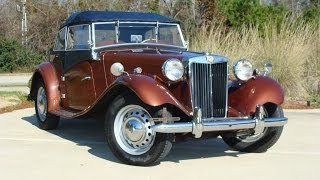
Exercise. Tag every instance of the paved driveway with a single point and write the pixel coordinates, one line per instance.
(77, 150)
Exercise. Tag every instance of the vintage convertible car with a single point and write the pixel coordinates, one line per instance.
(134, 71)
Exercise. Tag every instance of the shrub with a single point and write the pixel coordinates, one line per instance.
(312, 15)
(240, 13)
(15, 57)
(7, 54)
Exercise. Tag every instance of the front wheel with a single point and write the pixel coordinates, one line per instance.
(45, 120)
(256, 143)
(128, 128)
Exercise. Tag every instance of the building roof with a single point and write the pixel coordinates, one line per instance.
(87, 17)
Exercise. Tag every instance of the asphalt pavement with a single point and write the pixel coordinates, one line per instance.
(77, 150)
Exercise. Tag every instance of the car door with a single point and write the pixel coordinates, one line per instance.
(77, 70)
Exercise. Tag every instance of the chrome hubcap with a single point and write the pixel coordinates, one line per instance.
(42, 104)
(132, 130)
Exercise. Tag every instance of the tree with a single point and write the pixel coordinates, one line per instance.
(208, 11)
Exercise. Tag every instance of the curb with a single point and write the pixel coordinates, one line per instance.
(14, 85)
(18, 79)
(16, 74)
(302, 110)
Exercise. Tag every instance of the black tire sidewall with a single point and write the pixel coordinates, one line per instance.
(160, 147)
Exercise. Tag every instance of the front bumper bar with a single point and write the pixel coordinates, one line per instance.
(198, 125)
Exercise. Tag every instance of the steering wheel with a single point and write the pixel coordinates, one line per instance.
(146, 40)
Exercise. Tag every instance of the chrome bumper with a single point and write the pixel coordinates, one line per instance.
(198, 125)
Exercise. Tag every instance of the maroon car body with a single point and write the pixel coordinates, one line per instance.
(78, 81)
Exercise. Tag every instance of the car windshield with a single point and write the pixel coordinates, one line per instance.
(130, 32)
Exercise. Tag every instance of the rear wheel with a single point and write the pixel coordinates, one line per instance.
(256, 142)
(129, 135)
(45, 120)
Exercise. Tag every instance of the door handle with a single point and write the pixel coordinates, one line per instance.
(87, 78)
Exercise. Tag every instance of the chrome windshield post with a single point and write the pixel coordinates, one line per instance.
(117, 31)
(157, 30)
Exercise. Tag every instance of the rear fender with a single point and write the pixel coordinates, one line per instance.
(150, 91)
(46, 72)
(260, 90)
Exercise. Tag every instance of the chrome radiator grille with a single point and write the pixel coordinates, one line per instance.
(208, 88)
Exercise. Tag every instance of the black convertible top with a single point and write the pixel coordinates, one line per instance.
(87, 17)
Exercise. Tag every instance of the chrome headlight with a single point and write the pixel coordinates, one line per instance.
(173, 69)
(243, 70)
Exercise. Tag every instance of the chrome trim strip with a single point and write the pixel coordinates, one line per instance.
(227, 92)
(203, 59)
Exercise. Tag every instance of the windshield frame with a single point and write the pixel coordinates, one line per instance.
(117, 25)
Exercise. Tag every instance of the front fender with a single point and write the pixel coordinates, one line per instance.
(259, 90)
(150, 91)
(46, 72)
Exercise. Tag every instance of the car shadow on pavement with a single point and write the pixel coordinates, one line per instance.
(90, 133)
(197, 149)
